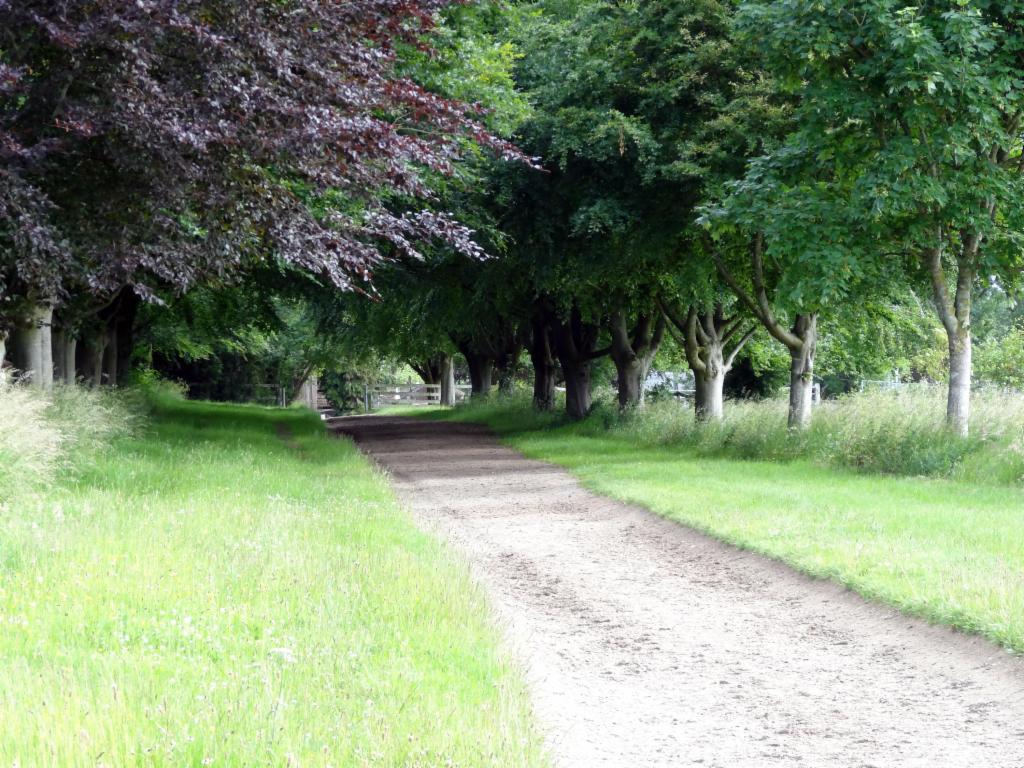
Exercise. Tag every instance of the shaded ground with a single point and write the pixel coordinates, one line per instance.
(648, 644)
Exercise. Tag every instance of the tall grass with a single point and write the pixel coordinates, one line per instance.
(43, 435)
(229, 586)
(891, 432)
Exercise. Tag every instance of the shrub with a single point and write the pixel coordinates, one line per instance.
(1001, 360)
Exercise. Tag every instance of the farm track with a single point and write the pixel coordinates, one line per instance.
(646, 643)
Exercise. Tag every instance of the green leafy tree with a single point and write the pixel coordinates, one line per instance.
(910, 117)
(641, 108)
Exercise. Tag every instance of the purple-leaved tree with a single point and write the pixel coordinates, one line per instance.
(157, 143)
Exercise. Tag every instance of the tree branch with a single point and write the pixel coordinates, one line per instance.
(691, 346)
(731, 357)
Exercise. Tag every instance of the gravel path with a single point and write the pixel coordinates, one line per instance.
(648, 644)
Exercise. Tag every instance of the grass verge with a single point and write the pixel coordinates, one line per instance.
(950, 551)
(233, 588)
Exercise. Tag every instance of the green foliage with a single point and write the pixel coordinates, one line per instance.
(871, 338)
(1001, 360)
(242, 343)
(472, 60)
(907, 133)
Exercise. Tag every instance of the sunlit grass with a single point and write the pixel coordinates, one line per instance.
(234, 588)
(950, 551)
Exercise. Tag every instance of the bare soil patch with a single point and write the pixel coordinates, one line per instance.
(649, 644)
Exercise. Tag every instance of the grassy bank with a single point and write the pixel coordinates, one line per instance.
(230, 587)
(951, 551)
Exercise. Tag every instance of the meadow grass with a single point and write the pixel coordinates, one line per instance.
(948, 550)
(231, 587)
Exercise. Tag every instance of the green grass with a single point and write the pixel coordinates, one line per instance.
(233, 588)
(949, 551)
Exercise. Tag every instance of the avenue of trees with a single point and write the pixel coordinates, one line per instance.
(576, 183)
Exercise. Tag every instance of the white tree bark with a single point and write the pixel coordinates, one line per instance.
(70, 350)
(448, 382)
(801, 371)
(711, 341)
(958, 399)
(46, 345)
(33, 347)
(955, 314)
(711, 406)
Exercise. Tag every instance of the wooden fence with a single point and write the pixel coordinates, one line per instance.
(385, 395)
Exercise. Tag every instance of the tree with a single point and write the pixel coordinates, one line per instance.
(633, 351)
(258, 130)
(711, 340)
(921, 107)
(800, 337)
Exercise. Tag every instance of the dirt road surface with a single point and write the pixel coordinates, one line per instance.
(648, 644)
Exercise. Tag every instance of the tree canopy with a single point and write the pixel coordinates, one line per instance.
(743, 186)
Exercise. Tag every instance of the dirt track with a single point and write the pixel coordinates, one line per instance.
(648, 644)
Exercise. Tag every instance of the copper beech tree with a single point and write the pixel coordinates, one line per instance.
(157, 143)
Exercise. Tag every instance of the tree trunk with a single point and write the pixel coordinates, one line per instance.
(110, 358)
(25, 355)
(958, 399)
(124, 328)
(576, 348)
(69, 357)
(481, 370)
(801, 340)
(577, 388)
(709, 404)
(3, 356)
(429, 369)
(646, 361)
(801, 371)
(448, 382)
(94, 358)
(426, 375)
(544, 387)
(699, 395)
(33, 347)
(955, 314)
(543, 359)
(505, 362)
(633, 354)
(630, 382)
(506, 379)
(627, 363)
(59, 350)
(46, 344)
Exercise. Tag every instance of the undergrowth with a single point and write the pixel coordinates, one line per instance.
(897, 432)
(48, 434)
